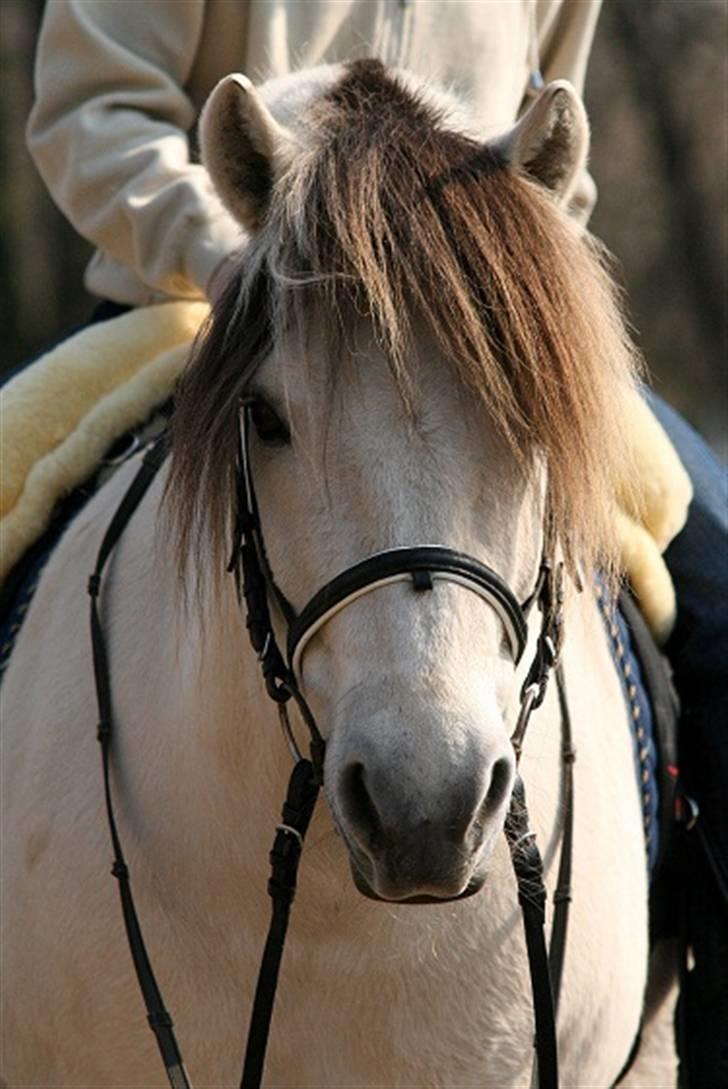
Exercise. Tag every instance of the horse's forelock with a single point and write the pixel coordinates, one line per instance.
(200, 492)
(392, 215)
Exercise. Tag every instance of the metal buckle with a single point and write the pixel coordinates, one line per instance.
(131, 443)
(289, 831)
(288, 732)
(527, 702)
(687, 811)
(266, 646)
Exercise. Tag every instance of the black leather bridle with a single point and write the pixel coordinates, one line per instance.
(257, 590)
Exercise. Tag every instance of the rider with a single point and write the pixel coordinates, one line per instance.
(119, 88)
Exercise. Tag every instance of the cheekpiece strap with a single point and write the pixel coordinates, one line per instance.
(550, 601)
(255, 585)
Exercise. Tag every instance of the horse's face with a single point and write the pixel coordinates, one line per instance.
(409, 688)
(412, 690)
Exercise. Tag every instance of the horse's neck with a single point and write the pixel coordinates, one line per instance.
(201, 717)
(188, 696)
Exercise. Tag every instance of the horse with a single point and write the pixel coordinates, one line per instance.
(424, 351)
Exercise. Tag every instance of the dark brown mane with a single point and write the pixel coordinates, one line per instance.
(392, 215)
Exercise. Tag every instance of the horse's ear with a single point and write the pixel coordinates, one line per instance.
(550, 143)
(243, 147)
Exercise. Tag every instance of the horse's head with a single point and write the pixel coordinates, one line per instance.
(427, 352)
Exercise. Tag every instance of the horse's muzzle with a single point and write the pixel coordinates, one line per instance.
(406, 848)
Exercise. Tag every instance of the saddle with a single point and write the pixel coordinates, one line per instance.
(62, 413)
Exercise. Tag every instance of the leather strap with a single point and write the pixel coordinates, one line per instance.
(528, 869)
(159, 1019)
(303, 789)
(562, 892)
(421, 564)
(545, 969)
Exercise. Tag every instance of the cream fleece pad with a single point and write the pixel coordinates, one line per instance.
(663, 494)
(63, 412)
(46, 401)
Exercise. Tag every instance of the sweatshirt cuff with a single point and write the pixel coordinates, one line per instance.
(207, 250)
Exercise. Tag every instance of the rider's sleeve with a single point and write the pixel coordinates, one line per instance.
(108, 134)
(565, 36)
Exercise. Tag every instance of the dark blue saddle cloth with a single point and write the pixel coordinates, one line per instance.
(20, 585)
(653, 710)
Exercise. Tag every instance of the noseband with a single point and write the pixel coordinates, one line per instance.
(421, 566)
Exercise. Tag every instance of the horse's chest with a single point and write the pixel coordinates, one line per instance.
(429, 1009)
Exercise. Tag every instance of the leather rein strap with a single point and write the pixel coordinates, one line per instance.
(159, 1019)
(298, 808)
(256, 586)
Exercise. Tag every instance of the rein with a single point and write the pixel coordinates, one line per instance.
(256, 588)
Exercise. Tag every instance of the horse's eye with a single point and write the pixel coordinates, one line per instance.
(268, 424)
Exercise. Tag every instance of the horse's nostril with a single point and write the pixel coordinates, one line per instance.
(501, 781)
(360, 808)
(500, 784)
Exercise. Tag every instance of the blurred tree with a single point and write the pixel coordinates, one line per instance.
(657, 97)
(41, 257)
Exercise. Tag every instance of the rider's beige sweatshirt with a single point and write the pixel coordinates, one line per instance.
(120, 83)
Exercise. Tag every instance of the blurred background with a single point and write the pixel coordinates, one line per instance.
(657, 95)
